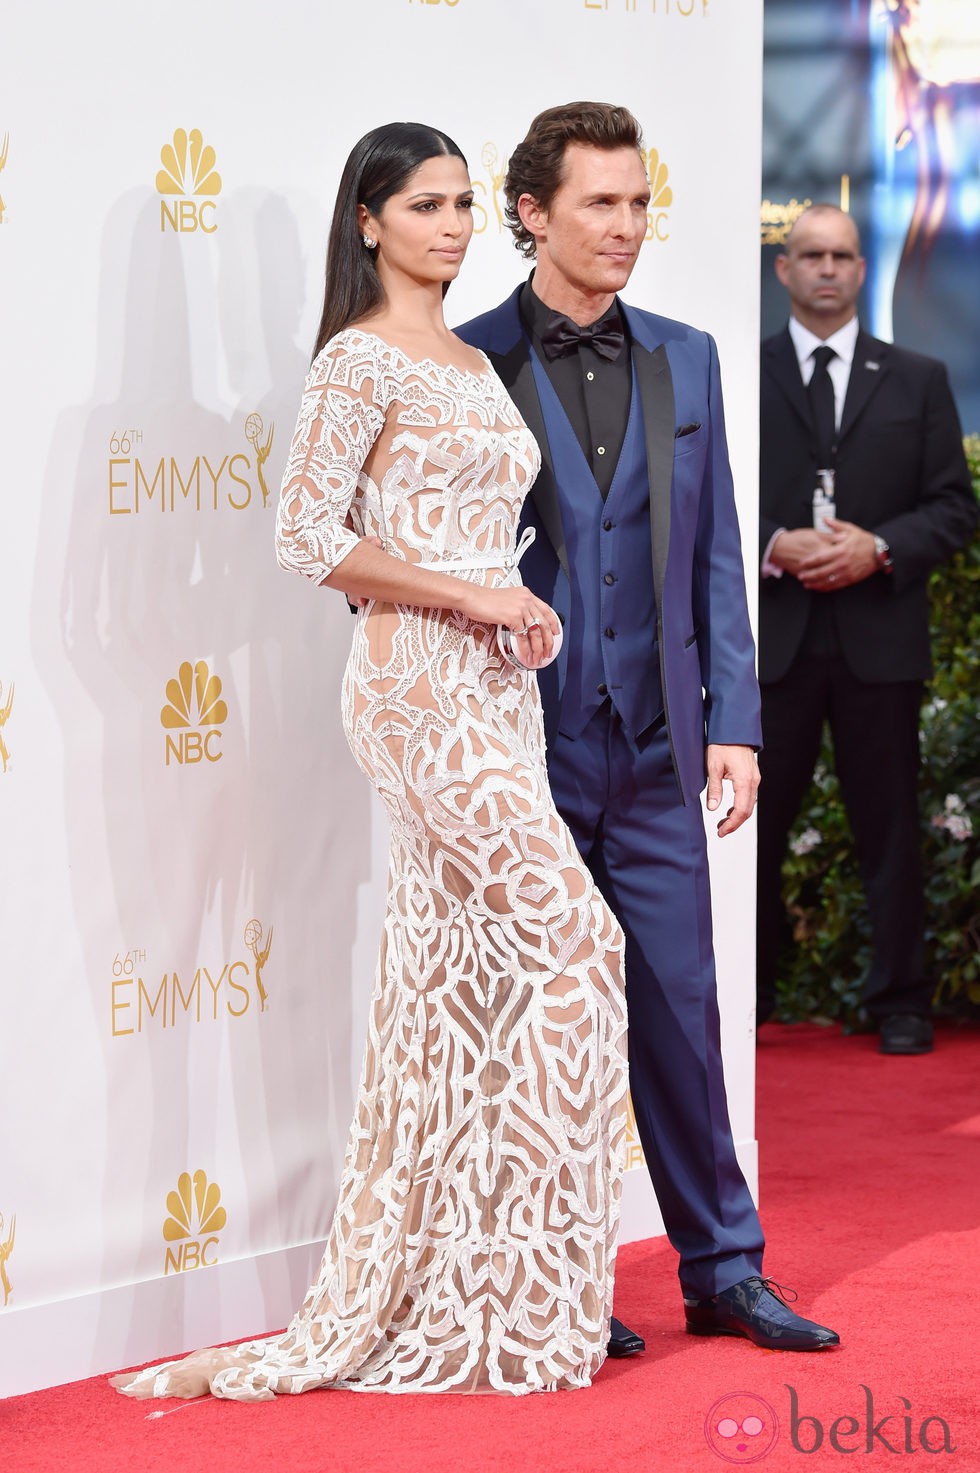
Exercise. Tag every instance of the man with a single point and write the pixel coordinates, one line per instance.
(637, 550)
(844, 613)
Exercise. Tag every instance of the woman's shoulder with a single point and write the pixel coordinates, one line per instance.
(354, 358)
(359, 356)
(351, 342)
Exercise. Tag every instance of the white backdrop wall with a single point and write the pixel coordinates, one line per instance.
(192, 865)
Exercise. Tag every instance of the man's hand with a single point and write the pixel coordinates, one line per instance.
(791, 549)
(738, 764)
(846, 555)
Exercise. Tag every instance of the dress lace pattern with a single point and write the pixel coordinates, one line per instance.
(473, 1243)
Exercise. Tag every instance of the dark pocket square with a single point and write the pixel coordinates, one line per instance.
(687, 430)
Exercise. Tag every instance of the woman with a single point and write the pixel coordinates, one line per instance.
(473, 1243)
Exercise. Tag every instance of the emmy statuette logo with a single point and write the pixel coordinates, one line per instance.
(6, 706)
(144, 1000)
(661, 197)
(6, 1248)
(253, 940)
(166, 485)
(188, 176)
(4, 151)
(254, 430)
(194, 1219)
(496, 171)
(193, 702)
(634, 1151)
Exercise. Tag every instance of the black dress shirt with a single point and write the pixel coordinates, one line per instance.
(594, 391)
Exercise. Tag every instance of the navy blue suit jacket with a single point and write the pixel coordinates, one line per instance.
(707, 656)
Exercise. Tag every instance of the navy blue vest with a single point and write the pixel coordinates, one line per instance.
(611, 630)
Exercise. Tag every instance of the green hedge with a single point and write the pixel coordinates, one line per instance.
(822, 967)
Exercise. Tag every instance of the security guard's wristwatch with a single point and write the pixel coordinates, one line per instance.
(883, 555)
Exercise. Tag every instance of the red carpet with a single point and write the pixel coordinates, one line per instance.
(871, 1204)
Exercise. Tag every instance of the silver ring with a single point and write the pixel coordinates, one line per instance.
(831, 577)
(523, 632)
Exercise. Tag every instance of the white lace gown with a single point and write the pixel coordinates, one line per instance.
(474, 1239)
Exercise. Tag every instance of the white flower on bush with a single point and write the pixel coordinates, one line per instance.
(954, 803)
(809, 839)
(822, 777)
(954, 822)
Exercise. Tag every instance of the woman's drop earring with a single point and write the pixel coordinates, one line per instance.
(369, 242)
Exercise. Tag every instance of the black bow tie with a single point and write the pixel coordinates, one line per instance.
(563, 336)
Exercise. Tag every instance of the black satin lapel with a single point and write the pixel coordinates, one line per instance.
(864, 379)
(656, 388)
(515, 372)
(781, 361)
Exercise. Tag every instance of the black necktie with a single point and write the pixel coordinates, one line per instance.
(563, 336)
(821, 393)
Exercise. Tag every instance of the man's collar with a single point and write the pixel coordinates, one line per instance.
(536, 315)
(843, 341)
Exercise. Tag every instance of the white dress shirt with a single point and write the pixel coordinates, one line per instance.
(805, 343)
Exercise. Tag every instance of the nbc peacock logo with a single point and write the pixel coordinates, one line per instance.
(194, 1219)
(661, 196)
(193, 715)
(188, 183)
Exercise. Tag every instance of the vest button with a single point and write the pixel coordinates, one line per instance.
(610, 633)
(609, 578)
(602, 689)
(607, 525)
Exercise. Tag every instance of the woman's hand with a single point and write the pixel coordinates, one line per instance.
(368, 572)
(532, 622)
(359, 603)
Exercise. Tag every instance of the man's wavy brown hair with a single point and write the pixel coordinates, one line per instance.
(536, 167)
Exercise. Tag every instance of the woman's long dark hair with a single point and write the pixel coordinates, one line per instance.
(378, 167)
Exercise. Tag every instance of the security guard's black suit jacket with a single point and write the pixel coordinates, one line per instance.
(901, 472)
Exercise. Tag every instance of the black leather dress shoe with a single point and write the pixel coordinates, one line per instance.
(905, 1033)
(750, 1308)
(623, 1342)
